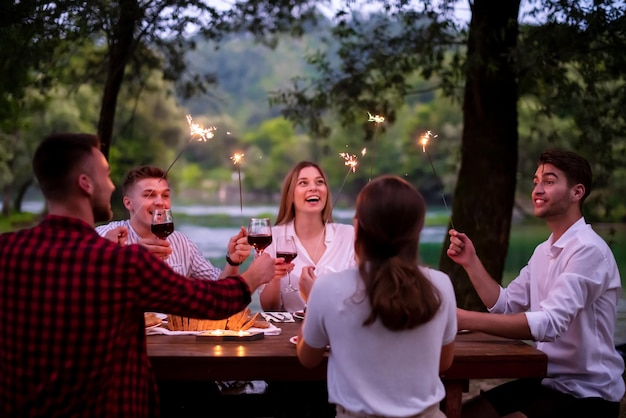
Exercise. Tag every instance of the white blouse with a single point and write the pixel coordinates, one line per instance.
(339, 255)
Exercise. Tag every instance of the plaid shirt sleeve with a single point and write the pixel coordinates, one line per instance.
(159, 288)
(73, 342)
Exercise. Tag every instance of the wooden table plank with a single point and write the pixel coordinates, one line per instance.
(476, 356)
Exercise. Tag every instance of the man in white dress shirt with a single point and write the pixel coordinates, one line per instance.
(564, 299)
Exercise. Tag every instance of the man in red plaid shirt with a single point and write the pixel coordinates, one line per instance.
(72, 340)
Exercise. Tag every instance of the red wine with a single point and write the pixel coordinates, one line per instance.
(162, 230)
(259, 242)
(287, 256)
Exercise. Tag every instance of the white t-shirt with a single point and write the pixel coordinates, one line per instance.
(371, 369)
(186, 258)
(569, 291)
(339, 255)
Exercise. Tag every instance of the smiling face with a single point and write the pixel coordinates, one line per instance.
(553, 196)
(311, 191)
(142, 198)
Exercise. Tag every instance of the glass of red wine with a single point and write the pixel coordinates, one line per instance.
(162, 223)
(286, 248)
(259, 234)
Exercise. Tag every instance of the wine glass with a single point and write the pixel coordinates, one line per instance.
(286, 248)
(162, 223)
(259, 234)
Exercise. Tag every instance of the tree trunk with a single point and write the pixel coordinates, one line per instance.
(484, 194)
(6, 200)
(122, 46)
(21, 192)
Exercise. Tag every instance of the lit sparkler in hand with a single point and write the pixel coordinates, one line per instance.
(423, 141)
(236, 157)
(377, 119)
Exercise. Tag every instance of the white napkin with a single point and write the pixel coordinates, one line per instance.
(278, 316)
(271, 330)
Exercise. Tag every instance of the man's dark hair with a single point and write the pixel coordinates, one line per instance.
(140, 173)
(576, 168)
(57, 159)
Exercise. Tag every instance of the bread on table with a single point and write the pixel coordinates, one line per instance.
(237, 322)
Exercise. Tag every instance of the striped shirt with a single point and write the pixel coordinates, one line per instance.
(186, 258)
(72, 340)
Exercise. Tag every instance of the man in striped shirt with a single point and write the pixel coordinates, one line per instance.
(145, 189)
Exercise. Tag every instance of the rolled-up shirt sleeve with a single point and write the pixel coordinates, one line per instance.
(551, 307)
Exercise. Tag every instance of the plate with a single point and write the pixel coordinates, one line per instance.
(298, 315)
(161, 316)
(153, 326)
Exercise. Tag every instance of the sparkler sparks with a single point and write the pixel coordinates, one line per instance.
(195, 131)
(423, 141)
(237, 157)
(425, 138)
(199, 131)
(377, 119)
(351, 161)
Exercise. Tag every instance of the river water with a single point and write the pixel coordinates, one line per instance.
(212, 240)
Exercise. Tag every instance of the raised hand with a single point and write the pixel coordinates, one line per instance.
(461, 249)
(119, 235)
(307, 278)
(238, 248)
(159, 247)
(261, 271)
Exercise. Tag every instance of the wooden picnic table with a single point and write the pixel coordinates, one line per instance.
(273, 358)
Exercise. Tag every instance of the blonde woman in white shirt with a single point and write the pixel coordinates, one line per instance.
(305, 213)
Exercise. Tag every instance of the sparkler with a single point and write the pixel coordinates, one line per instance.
(350, 161)
(236, 157)
(377, 119)
(196, 131)
(423, 141)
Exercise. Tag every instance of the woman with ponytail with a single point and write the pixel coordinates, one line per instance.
(390, 322)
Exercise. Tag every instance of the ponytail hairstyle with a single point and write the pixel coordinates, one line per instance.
(389, 219)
